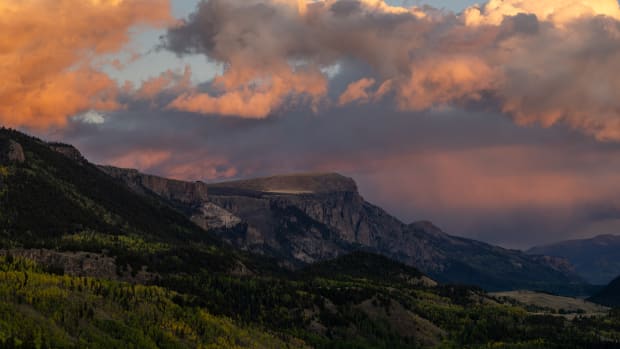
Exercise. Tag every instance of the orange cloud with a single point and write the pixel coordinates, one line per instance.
(504, 178)
(166, 81)
(538, 61)
(357, 91)
(209, 168)
(144, 159)
(445, 80)
(47, 49)
(254, 94)
(558, 12)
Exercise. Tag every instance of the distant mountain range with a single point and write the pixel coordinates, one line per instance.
(596, 259)
(301, 219)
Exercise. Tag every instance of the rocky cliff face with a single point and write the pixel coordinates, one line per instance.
(187, 193)
(11, 151)
(68, 150)
(190, 197)
(302, 219)
(311, 217)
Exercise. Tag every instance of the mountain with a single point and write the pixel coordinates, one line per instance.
(306, 218)
(301, 219)
(597, 259)
(609, 295)
(190, 198)
(53, 200)
(91, 260)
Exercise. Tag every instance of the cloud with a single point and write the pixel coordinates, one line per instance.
(167, 82)
(49, 50)
(254, 99)
(474, 174)
(91, 117)
(140, 158)
(541, 62)
(558, 12)
(357, 91)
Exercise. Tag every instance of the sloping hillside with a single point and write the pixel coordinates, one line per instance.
(52, 198)
(609, 295)
(597, 259)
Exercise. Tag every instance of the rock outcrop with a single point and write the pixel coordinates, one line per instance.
(190, 197)
(306, 218)
(68, 150)
(82, 264)
(311, 217)
(209, 215)
(11, 152)
(186, 193)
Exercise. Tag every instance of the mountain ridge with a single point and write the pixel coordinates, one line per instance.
(296, 219)
(596, 259)
(305, 218)
(294, 183)
(86, 260)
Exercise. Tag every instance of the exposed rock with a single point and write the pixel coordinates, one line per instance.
(11, 151)
(305, 183)
(189, 197)
(241, 269)
(211, 216)
(296, 219)
(186, 193)
(323, 224)
(330, 199)
(67, 150)
(302, 219)
(82, 264)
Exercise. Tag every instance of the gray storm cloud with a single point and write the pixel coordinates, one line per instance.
(544, 62)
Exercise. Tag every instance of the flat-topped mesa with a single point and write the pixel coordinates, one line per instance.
(189, 193)
(294, 184)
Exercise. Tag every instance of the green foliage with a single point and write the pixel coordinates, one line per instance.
(39, 310)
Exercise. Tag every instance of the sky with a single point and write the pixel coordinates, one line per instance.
(496, 121)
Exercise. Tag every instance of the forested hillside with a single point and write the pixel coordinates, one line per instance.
(87, 262)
